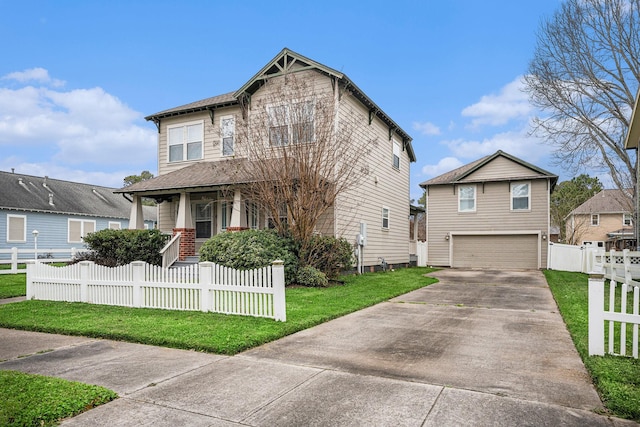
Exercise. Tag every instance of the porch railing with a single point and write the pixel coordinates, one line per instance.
(171, 251)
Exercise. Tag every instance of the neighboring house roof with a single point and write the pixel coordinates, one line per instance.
(606, 201)
(279, 65)
(633, 134)
(43, 194)
(462, 172)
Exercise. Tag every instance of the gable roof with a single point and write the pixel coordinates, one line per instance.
(43, 194)
(462, 172)
(287, 61)
(633, 134)
(606, 201)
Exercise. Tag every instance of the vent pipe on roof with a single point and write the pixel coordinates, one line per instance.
(51, 199)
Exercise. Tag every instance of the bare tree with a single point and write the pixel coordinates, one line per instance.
(584, 76)
(576, 229)
(302, 154)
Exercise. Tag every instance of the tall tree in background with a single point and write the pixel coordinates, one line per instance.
(584, 76)
(132, 179)
(568, 195)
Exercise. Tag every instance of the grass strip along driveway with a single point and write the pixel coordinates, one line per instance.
(36, 400)
(616, 378)
(210, 332)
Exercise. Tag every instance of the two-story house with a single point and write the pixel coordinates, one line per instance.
(604, 221)
(203, 145)
(491, 213)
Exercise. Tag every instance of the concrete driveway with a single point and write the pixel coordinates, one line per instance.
(478, 348)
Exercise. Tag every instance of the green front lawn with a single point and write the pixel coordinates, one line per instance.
(13, 285)
(210, 332)
(35, 400)
(616, 378)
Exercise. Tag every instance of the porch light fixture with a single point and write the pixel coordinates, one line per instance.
(544, 235)
(446, 236)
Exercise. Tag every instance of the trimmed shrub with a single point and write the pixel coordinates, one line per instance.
(311, 276)
(120, 247)
(329, 255)
(250, 249)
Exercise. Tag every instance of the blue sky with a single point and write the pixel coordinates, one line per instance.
(77, 77)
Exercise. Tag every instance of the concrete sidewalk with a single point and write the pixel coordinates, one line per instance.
(475, 349)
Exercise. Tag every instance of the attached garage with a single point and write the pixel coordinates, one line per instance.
(509, 251)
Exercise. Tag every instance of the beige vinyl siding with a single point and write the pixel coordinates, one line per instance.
(500, 168)
(211, 145)
(384, 185)
(493, 214)
(495, 251)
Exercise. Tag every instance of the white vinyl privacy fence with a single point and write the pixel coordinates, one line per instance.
(614, 311)
(204, 287)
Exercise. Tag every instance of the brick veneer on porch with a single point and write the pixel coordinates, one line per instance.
(187, 242)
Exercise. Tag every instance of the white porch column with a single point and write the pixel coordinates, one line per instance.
(136, 220)
(184, 219)
(236, 211)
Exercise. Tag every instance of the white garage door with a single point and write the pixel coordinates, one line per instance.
(495, 251)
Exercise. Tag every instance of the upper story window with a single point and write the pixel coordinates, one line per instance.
(467, 198)
(396, 155)
(595, 219)
(291, 123)
(520, 195)
(627, 219)
(228, 131)
(16, 228)
(185, 141)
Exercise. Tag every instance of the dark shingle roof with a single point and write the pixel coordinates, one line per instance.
(203, 104)
(466, 170)
(202, 174)
(606, 201)
(43, 194)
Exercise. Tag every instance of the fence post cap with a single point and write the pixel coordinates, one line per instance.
(86, 262)
(138, 263)
(277, 262)
(594, 275)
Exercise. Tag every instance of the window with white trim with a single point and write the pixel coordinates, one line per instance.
(78, 228)
(291, 123)
(225, 214)
(114, 225)
(16, 228)
(595, 219)
(385, 218)
(227, 134)
(396, 155)
(467, 198)
(203, 220)
(627, 219)
(520, 196)
(185, 141)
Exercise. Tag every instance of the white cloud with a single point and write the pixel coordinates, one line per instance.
(426, 128)
(515, 142)
(444, 165)
(72, 127)
(495, 110)
(37, 75)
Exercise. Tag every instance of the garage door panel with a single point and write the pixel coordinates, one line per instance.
(495, 251)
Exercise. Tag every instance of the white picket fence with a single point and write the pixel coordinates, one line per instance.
(621, 268)
(204, 287)
(21, 256)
